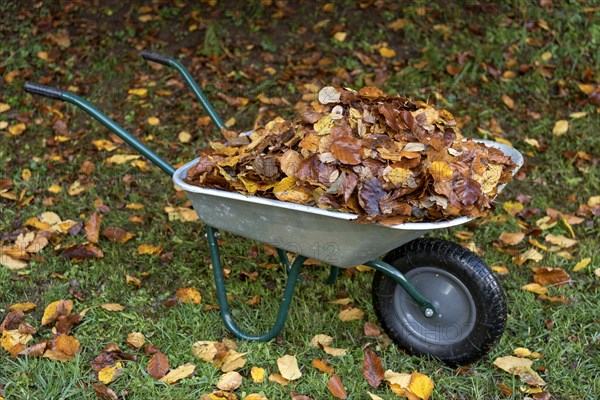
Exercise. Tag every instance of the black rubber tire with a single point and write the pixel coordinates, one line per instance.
(432, 264)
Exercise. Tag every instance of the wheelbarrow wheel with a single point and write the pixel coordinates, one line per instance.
(470, 304)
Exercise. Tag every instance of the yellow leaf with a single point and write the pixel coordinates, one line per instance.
(401, 379)
(255, 396)
(76, 189)
(513, 207)
(582, 264)
(340, 36)
(386, 52)
(560, 127)
(398, 176)
(535, 288)
(113, 307)
(398, 24)
(14, 341)
(421, 385)
(577, 115)
(288, 367)
(133, 281)
(586, 88)
(323, 125)
(321, 340)
(560, 240)
(181, 372)
(328, 95)
(500, 269)
(184, 137)
(508, 102)
(284, 184)
(121, 158)
(230, 381)
(17, 129)
(64, 348)
(351, 314)
(258, 374)
(522, 352)
(188, 295)
(374, 396)
(593, 201)
(508, 363)
(3, 125)
(134, 206)
(22, 307)
(103, 144)
(153, 121)
(183, 214)
(149, 249)
(440, 171)
(546, 56)
(335, 352)
(108, 374)
(136, 339)
(4, 107)
(138, 92)
(56, 309)
(278, 379)
(55, 189)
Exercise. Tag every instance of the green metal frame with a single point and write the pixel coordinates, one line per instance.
(293, 269)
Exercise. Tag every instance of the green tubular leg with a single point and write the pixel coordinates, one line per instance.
(222, 294)
(284, 259)
(333, 275)
(425, 305)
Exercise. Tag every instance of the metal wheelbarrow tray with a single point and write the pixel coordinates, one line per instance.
(432, 297)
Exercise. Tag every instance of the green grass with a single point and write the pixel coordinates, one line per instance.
(236, 45)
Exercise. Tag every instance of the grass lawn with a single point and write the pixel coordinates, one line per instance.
(521, 72)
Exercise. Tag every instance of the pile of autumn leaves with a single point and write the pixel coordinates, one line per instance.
(387, 159)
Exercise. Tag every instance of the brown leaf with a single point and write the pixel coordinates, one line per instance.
(92, 227)
(103, 392)
(12, 320)
(371, 330)
(79, 252)
(347, 150)
(550, 276)
(336, 388)
(118, 235)
(56, 309)
(372, 368)
(511, 238)
(158, 366)
(62, 348)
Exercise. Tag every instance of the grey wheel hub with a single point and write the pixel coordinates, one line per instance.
(455, 309)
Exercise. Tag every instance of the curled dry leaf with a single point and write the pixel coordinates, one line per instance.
(288, 367)
(55, 310)
(230, 381)
(92, 227)
(181, 372)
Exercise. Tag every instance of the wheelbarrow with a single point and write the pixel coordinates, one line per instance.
(432, 297)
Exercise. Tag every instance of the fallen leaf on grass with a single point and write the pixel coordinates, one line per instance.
(182, 214)
(321, 340)
(351, 314)
(230, 381)
(288, 367)
(371, 330)
(560, 127)
(374, 396)
(136, 339)
(22, 307)
(92, 227)
(55, 310)
(188, 295)
(336, 388)
(103, 392)
(109, 373)
(277, 378)
(12, 263)
(372, 368)
(62, 348)
(82, 251)
(78, 188)
(323, 366)
(529, 255)
(158, 366)
(121, 158)
(112, 307)
(117, 235)
(258, 374)
(560, 240)
(153, 121)
(132, 280)
(181, 372)
(17, 129)
(550, 276)
(582, 264)
(508, 102)
(520, 367)
(511, 238)
(149, 249)
(14, 341)
(535, 288)
(421, 385)
(255, 396)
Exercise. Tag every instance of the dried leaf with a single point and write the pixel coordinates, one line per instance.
(136, 339)
(328, 95)
(92, 227)
(153, 121)
(230, 381)
(63, 348)
(258, 374)
(113, 307)
(535, 288)
(158, 366)
(277, 378)
(188, 295)
(150, 249)
(25, 307)
(579, 266)
(421, 385)
(117, 235)
(550, 276)
(511, 238)
(372, 368)
(560, 240)
(288, 367)
(336, 388)
(181, 372)
(55, 310)
(351, 314)
(323, 366)
(109, 373)
(560, 127)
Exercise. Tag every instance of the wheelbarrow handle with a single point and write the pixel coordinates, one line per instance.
(46, 91)
(131, 140)
(157, 58)
(189, 80)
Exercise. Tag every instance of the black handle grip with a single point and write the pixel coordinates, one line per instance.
(42, 90)
(158, 58)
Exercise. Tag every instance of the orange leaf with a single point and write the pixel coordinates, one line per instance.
(92, 227)
(55, 310)
(323, 366)
(150, 249)
(372, 368)
(550, 276)
(158, 366)
(336, 388)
